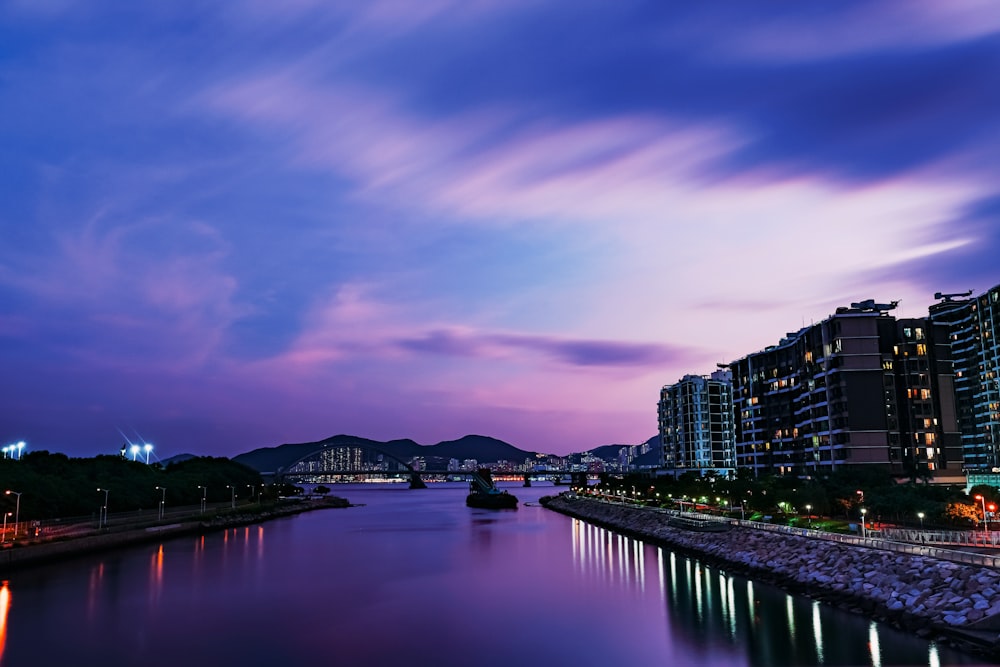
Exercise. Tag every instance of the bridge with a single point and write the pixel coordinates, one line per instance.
(357, 459)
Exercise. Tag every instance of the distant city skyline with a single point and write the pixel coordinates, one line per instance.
(235, 226)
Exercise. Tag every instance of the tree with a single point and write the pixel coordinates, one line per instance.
(962, 513)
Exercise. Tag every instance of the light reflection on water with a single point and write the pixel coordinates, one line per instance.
(416, 576)
(703, 600)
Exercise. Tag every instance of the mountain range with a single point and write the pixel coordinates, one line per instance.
(480, 447)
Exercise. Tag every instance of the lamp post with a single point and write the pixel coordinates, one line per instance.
(992, 508)
(103, 517)
(920, 515)
(5, 515)
(20, 446)
(6, 450)
(17, 510)
(148, 447)
(232, 502)
(135, 452)
(163, 500)
(204, 492)
(864, 529)
(809, 509)
(981, 499)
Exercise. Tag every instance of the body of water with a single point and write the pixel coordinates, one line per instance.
(413, 577)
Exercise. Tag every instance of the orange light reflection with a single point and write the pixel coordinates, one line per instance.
(4, 607)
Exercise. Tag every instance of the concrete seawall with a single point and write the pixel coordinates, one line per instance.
(18, 556)
(934, 598)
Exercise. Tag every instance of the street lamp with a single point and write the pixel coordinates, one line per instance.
(6, 450)
(103, 518)
(135, 452)
(809, 509)
(992, 508)
(233, 499)
(864, 529)
(920, 515)
(163, 499)
(148, 447)
(5, 515)
(20, 446)
(982, 500)
(17, 510)
(204, 492)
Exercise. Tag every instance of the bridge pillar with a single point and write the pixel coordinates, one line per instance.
(416, 482)
(527, 480)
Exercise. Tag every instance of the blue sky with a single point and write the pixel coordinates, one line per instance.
(232, 225)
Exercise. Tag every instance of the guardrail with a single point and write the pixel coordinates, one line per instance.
(957, 556)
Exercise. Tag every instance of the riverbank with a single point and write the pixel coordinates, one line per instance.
(951, 602)
(18, 556)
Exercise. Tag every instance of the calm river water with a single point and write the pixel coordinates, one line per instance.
(417, 578)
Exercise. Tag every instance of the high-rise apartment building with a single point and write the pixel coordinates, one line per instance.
(973, 326)
(858, 388)
(696, 424)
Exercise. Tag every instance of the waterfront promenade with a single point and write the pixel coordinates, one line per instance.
(61, 539)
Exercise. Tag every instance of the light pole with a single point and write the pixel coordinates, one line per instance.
(135, 452)
(163, 499)
(204, 492)
(103, 518)
(5, 515)
(809, 510)
(20, 446)
(864, 530)
(232, 501)
(981, 499)
(17, 510)
(148, 447)
(920, 515)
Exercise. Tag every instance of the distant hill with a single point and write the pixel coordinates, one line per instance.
(610, 452)
(482, 448)
(177, 459)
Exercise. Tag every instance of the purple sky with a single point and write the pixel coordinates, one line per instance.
(232, 225)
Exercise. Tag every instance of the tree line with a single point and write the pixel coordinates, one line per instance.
(840, 494)
(53, 485)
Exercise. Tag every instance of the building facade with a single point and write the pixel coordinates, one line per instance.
(973, 326)
(858, 388)
(696, 424)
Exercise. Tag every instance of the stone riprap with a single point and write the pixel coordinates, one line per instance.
(917, 593)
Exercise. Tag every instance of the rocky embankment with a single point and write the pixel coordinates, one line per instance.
(23, 555)
(925, 595)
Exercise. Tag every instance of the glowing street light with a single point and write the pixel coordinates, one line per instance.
(864, 529)
(102, 519)
(204, 492)
(809, 509)
(135, 452)
(6, 451)
(5, 515)
(920, 515)
(20, 448)
(981, 499)
(163, 499)
(17, 510)
(148, 447)
(232, 502)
